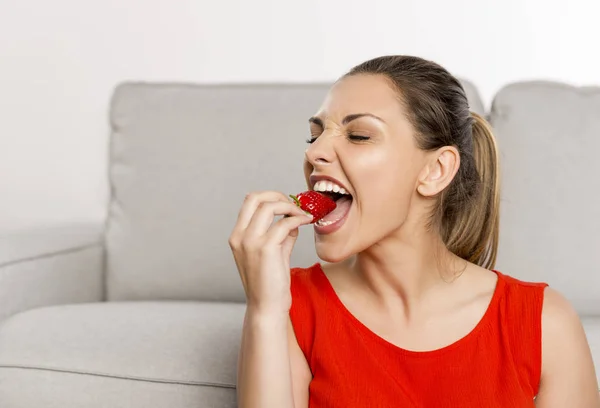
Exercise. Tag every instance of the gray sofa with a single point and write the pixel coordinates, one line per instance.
(146, 310)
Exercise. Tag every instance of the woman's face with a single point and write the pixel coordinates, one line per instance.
(363, 139)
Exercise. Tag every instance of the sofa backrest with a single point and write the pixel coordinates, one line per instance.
(549, 138)
(182, 159)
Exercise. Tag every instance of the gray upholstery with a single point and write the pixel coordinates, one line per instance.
(19, 246)
(181, 166)
(50, 266)
(549, 136)
(475, 102)
(50, 389)
(182, 159)
(187, 348)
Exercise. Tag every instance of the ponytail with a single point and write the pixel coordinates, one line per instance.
(487, 162)
(473, 234)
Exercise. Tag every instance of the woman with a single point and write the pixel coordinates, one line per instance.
(407, 312)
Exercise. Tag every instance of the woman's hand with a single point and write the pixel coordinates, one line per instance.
(262, 249)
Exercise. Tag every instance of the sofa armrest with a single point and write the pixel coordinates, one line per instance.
(50, 266)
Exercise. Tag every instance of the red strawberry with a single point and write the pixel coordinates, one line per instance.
(317, 204)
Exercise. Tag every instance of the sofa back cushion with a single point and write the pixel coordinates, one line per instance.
(549, 138)
(182, 159)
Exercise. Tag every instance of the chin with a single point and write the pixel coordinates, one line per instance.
(331, 253)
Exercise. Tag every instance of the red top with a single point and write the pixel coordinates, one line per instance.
(498, 364)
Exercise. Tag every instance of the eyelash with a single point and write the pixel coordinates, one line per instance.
(354, 138)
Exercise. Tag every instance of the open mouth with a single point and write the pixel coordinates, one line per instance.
(343, 201)
(335, 196)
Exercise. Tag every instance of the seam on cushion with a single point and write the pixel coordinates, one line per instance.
(121, 377)
(50, 254)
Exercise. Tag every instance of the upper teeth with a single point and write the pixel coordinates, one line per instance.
(324, 185)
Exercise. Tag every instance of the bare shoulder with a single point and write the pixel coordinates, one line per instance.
(561, 329)
(558, 311)
(486, 278)
(568, 374)
(478, 283)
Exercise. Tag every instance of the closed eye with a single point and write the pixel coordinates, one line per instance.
(358, 138)
(354, 138)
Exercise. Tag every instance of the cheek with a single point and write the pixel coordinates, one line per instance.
(308, 169)
(387, 182)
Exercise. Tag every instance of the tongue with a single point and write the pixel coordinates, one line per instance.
(342, 206)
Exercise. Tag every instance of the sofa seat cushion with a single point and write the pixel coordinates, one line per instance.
(127, 354)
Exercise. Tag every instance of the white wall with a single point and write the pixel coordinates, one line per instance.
(59, 61)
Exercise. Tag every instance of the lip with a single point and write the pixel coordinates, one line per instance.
(318, 177)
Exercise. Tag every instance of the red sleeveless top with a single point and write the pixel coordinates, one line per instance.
(498, 364)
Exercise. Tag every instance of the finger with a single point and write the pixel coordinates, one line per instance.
(251, 203)
(266, 213)
(283, 228)
(288, 243)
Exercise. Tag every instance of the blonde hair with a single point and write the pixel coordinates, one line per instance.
(473, 234)
(466, 213)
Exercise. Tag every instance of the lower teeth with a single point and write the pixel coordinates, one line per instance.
(322, 223)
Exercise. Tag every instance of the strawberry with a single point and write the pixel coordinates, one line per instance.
(315, 203)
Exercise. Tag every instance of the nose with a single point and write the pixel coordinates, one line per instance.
(321, 151)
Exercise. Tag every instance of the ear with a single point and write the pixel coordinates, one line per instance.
(439, 171)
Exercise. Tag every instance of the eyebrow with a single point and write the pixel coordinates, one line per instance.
(347, 119)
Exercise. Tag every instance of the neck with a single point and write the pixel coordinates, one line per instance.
(407, 267)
